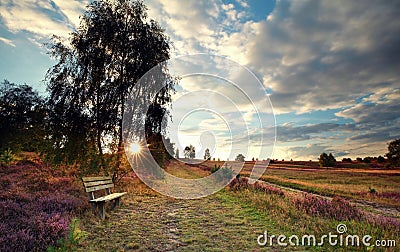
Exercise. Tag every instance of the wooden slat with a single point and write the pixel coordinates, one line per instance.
(89, 179)
(99, 182)
(109, 197)
(99, 187)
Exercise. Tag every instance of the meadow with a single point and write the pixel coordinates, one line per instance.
(379, 186)
(39, 205)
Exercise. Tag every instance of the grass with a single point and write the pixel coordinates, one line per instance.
(230, 220)
(354, 183)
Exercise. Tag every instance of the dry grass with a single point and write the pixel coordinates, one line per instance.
(230, 220)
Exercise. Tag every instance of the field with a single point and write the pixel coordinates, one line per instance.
(230, 220)
(361, 184)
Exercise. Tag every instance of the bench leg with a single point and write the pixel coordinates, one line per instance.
(116, 202)
(102, 210)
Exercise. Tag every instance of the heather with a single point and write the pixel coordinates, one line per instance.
(36, 206)
(336, 208)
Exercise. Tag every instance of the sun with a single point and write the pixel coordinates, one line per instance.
(134, 148)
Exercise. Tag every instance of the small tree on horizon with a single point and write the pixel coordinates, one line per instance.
(190, 152)
(207, 155)
(326, 160)
(393, 154)
(240, 158)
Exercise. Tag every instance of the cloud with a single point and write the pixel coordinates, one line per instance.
(291, 133)
(42, 17)
(7, 41)
(325, 54)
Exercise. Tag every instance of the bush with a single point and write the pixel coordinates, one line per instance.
(225, 173)
(215, 168)
(6, 157)
(36, 207)
(337, 208)
(74, 236)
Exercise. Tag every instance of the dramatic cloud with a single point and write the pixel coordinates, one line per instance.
(312, 56)
(325, 54)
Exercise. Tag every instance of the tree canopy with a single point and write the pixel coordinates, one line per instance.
(22, 118)
(326, 160)
(240, 158)
(207, 155)
(393, 154)
(114, 46)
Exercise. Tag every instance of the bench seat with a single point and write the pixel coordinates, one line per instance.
(109, 197)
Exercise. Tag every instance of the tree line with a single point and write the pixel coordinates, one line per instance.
(393, 157)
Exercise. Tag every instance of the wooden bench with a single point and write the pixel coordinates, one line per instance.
(94, 184)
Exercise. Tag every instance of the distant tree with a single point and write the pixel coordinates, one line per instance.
(359, 159)
(22, 118)
(240, 158)
(177, 153)
(346, 160)
(393, 154)
(114, 46)
(253, 159)
(380, 159)
(190, 152)
(186, 152)
(326, 160)
(367, 160)
(207, 155)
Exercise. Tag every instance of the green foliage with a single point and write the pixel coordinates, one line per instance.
(71, 242)
(371, 190)
(224, 173)
(114, 46)
(215, 168)
(6, 157)
(367, 160)
(207, 155)
(381, 159)
(22, 118)
(190, 152)
(393, 154)
(240, 158)
(160, 149)
(326, 160)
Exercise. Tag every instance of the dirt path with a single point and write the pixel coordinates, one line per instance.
(159, 223)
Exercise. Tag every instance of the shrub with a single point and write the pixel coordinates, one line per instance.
(240, 183)
(36, 207)
(6, 157)
(74, 236)
(225, 173)
(337, 208)
(215, 168)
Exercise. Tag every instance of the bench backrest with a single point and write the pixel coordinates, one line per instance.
(93, 184)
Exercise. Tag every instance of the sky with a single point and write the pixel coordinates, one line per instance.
(330, 69)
